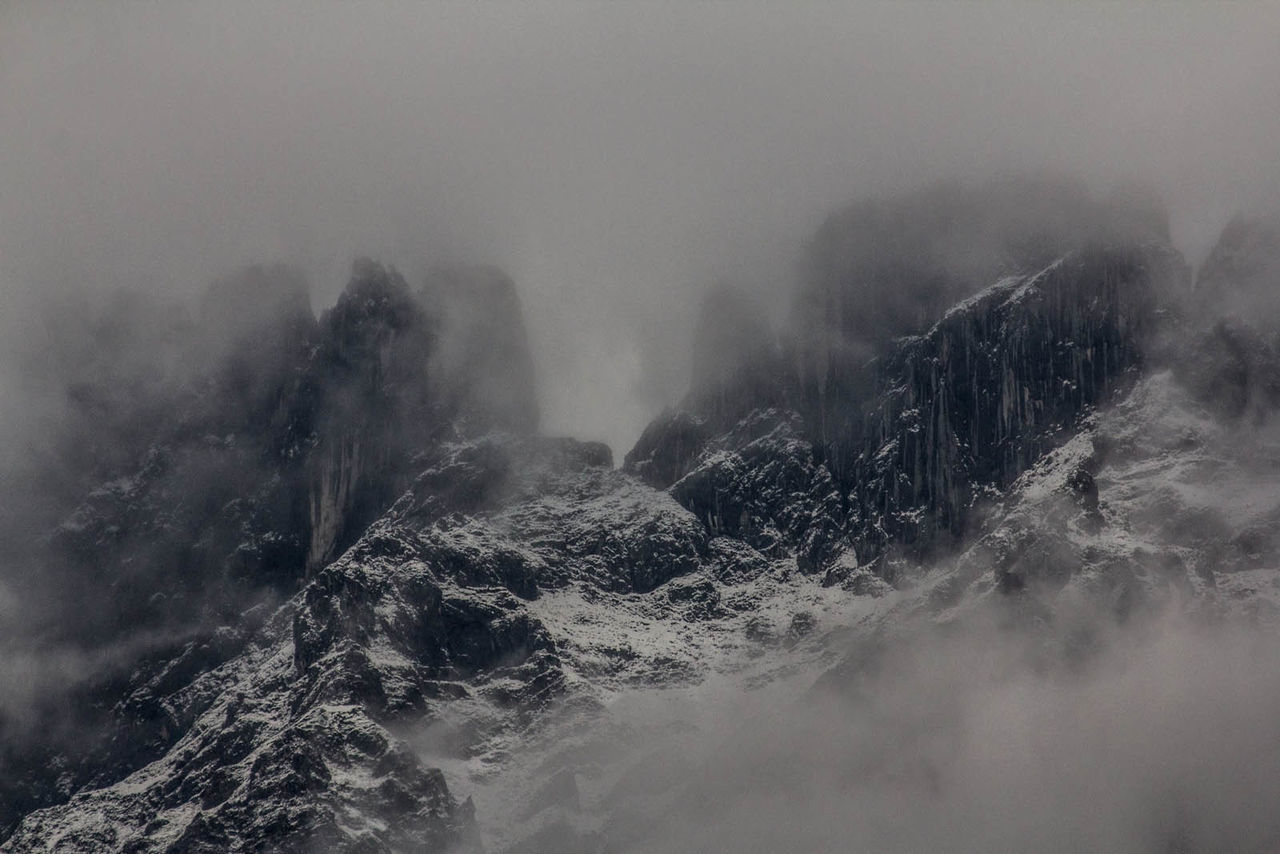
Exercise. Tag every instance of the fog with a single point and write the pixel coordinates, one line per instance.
(1157, 736)
(615, 161)
(626, 166)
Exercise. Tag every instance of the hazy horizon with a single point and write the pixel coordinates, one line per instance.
(615, 160)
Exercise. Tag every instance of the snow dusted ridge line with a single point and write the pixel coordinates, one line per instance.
(485, 664)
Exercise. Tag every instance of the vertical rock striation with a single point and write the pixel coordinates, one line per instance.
(372, 406)
(880, 421)
(965, 408)
(889, 267)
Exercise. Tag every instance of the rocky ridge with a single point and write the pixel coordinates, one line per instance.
(484, 635)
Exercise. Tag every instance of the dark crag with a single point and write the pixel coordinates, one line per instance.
(263, 451)
(904, 409)
(347, 530)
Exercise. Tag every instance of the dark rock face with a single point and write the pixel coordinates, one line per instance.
(886, 268)
(260, 769)
(372, 408)
(737, 454)
(413, 569)
(668, 447)
(889, 439)
(945, 417)
(397, 380)
(998, 381)
(276, 457)
(612, 532)
(763, 485)
(440, 633)
(299, 435)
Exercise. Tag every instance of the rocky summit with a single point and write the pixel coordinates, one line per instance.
(356, 603)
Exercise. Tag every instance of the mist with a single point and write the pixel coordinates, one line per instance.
(644, 198)
(614, 161)
(1159, 735)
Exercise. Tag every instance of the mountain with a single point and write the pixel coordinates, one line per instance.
(285, 437)
(424, 627)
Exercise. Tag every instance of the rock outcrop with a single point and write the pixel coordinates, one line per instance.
(1002, 378)
(885, 268)
(284, 440)
(285, 736)
(948, 416)
(464, 617)
(371, 409)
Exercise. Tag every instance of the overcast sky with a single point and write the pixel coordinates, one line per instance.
(615, 160)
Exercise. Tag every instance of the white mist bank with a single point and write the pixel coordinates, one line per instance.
(1160, 735)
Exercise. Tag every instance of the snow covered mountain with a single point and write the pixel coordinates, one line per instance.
(434, 630)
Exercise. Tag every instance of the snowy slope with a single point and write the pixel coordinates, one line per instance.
(492, 662)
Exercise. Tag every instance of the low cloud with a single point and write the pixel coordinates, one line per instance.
(614, 160)
(1159, 735)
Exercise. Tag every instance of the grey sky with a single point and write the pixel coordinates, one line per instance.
(614, 159)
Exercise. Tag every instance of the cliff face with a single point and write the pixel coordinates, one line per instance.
(943, 418)
(999, 380)
(900, 417)
(396, 373)
(371, 406)
(293, 435)
(484, 611)
(885, 268)
(737, 453)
